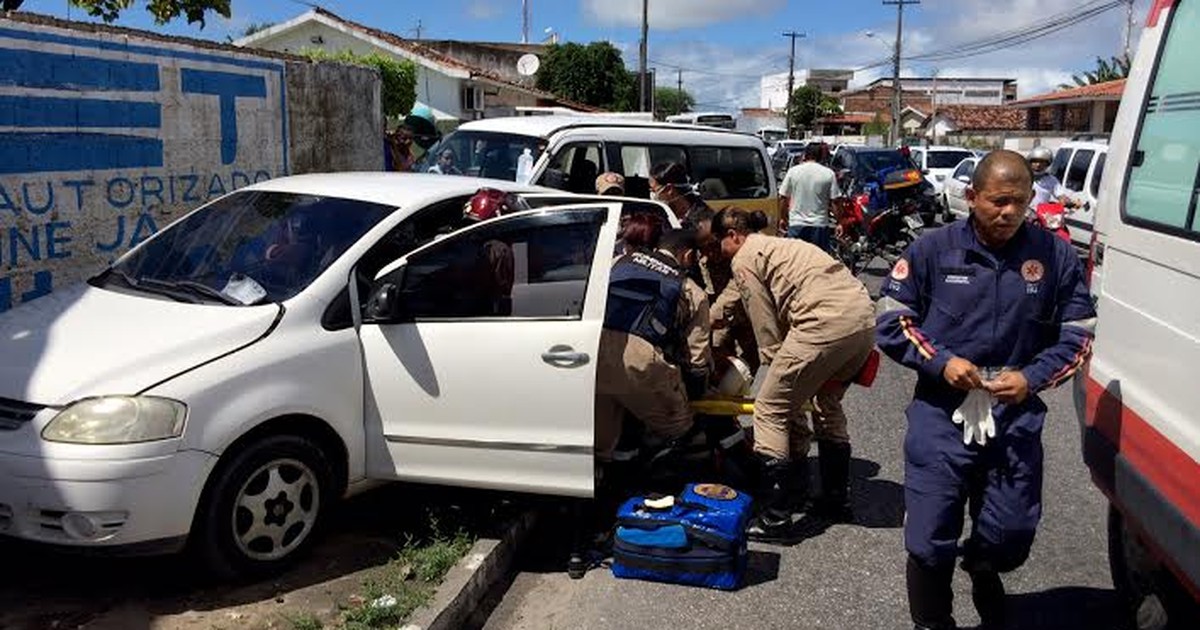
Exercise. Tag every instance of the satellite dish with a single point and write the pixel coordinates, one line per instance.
(528, 65)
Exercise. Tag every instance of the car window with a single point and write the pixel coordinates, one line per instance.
(1097, 174)
(1058, 167)
(728, 173)
(574, 168)
(535, 266)
(945, 159)
(637, 160)
(482, 153)
(875, 161)
(963, 169)
(250, 246)
(1162, 182)
(1077, 173)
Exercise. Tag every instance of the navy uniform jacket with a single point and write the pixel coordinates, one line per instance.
(1025, 307)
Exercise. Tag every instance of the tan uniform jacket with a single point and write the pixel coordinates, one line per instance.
(789, 285)
(693, 322)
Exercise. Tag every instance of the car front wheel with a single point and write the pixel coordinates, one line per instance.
(263, 507)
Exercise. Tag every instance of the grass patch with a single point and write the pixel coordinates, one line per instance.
(409, 580)
(304, 621)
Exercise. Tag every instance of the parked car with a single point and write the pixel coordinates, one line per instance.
(728, 168)
(938, 162)
(786, 157)
(954, 193)
(1079, 165)
(224, 383)
(774, 150)
(1137, 397)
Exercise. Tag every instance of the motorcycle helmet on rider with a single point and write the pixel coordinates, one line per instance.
(489, 203)
(1039, 159)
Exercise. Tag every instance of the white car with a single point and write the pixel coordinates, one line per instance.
(227, 381)
(954, 193)
(938, 162)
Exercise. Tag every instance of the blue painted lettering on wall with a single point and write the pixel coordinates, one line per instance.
(228, 86)
(34, 69)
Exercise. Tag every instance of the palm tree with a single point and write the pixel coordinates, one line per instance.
(1106, 70)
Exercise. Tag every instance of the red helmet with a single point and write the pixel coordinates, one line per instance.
(489, 203)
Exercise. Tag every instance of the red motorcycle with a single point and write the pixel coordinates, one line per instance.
(1052, 217)
(863, 236)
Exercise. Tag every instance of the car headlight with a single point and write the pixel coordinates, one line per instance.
(117, 420)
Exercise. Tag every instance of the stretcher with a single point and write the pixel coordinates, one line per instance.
(730, 406)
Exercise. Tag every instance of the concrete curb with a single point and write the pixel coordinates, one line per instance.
(470, 581)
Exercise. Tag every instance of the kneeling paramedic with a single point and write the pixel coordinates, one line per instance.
(654, 347)
(814, 323)
(989, 312)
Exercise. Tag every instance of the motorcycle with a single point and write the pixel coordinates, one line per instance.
(1052, 217)
(881, 221)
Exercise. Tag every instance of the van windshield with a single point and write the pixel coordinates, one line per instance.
(488, 154)
(250, 247)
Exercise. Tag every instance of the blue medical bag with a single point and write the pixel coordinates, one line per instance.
(700, 540)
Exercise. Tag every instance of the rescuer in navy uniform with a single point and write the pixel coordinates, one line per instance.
(989, 312)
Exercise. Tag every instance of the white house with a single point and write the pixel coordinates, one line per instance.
(454, 89)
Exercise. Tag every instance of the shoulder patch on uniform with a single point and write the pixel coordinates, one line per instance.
(1033, 270)
(900, 270)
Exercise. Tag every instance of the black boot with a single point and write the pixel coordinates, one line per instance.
(987, 593)
(930, 595)
(834, 504)
(774, 520)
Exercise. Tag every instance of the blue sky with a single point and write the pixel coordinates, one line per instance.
(724, 46)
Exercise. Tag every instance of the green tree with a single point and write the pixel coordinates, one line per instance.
(1106, 70)
(163, 10)
(399, 76)
(594, 75)
(877, 127)
(670, 101)
(809, 103)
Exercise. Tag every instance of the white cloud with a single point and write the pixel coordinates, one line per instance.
(483, 9)
(676, 14)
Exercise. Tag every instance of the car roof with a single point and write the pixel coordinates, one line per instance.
(398, 190)
(546, 126)
(1084, 144)
(944, 148)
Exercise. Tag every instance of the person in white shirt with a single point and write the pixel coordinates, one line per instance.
(1046, 187)
(806, 196)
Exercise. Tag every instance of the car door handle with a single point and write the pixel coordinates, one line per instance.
(565, 356)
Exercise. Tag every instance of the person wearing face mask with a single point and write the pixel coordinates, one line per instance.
(670, 184)
(989, 312)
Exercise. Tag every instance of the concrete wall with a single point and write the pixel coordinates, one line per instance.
(335, 122)
(107, 135)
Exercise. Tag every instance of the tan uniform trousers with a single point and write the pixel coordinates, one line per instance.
(633, 376)
(799, 373)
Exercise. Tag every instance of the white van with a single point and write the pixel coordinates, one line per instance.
(728, 168)
(1138, 401)
(1079, 165)
(719, 120)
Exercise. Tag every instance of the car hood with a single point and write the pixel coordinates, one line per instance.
(83, 341)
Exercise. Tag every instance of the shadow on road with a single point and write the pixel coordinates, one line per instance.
(1067, 607)
(878, 503)
(62, 589)
(761, 568)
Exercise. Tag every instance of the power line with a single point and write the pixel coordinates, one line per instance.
(731, 75)
(1010, 38)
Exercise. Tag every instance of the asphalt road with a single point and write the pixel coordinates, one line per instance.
(852, 576)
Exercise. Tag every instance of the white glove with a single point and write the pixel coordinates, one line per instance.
(975, 416)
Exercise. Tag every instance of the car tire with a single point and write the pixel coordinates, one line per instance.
(1150, 596)
(263, 507)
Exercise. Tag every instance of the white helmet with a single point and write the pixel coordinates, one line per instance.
(1043, 156)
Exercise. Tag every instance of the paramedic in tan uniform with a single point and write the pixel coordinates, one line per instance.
(654, 348)
(814, 323)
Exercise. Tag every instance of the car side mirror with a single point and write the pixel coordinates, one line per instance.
(383, 307)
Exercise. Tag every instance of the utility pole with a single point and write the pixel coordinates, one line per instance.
(525, 19)
(894, 131)
(679, 83)
(642, 88)
(933, 103)
(1128, 28)
(791, 80)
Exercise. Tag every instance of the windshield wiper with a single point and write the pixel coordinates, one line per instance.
(141, 285)
(192, 287)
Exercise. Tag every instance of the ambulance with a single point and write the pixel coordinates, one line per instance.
(1138, 399)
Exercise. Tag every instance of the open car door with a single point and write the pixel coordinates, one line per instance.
(479, 352)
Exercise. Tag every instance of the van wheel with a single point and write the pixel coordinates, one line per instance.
(263, 507)
(1135, 577)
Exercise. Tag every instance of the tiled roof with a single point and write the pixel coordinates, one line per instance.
(428, 52)
(1107, 91)
(847, 119)
(983, 117)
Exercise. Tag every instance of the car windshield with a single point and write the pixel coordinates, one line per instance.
(773, 136)
(249, 247)
(876, 161)
(946, 159)
(480, 154)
